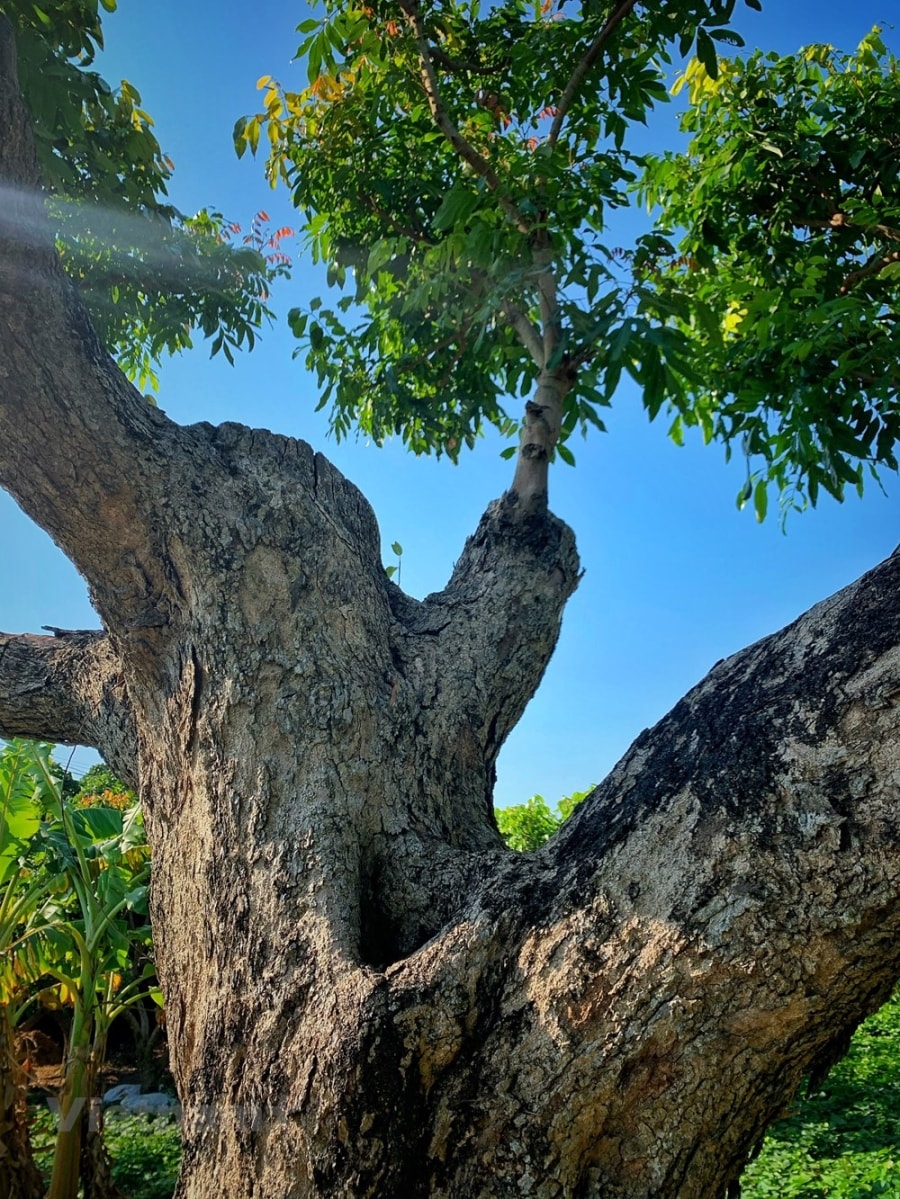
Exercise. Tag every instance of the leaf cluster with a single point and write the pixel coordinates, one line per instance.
(528, 826)
(149, 274)
(785, 280)
(448, 162)
(74, 929)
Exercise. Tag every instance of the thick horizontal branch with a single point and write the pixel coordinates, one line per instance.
(68, 689)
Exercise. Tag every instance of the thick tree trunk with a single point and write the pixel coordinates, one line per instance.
(367, 995)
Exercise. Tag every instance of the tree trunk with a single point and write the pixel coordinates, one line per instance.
(366, 994)
(19, 1176)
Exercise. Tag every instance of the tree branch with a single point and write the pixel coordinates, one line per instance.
(878, 261)
(64, 402)
(483, 643)
(529, 334)
(874, 266)
(409, 231)
(466, 151)
(547, 290)
(707, 927)
(577, 78)
(839, 220)
(68, 689)
(462, 66)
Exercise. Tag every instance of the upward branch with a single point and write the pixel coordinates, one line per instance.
(466, 151)
(577, 78)
(81, 450)
(528, 333)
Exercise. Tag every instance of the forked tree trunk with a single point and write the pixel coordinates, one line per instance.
(367, 995)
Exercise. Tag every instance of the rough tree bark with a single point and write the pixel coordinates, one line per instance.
(19, 1176)
(367, 995)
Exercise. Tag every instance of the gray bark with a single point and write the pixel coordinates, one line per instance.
(69, 689)
(367, 995)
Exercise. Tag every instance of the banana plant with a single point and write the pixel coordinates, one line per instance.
(96, 944)
(22, 888)
(85, 946)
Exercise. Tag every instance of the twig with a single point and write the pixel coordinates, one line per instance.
(874, 266)
(839, 220)
(616, 17)
(463, 148)
(465, 66)
(409, 231)
(876, 263)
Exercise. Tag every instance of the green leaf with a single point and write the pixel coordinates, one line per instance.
(239, 136)
(728, 36)
(457, 206)
(760, 500)
(98, 823)
(527, 826)
(251, 134)
(297, 322)
(706, 53)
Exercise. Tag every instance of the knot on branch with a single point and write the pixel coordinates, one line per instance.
(534, 413)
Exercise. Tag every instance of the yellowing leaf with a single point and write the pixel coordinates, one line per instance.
(733, 319)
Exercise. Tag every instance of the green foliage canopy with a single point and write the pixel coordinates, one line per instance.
(151, 276)
(786, 277)
(529, 825)
(457, 171)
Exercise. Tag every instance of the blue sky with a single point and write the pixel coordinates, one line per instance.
(675, 577)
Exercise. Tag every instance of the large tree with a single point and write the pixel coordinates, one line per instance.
(366, 993)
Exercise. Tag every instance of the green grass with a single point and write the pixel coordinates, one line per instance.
(843, 1141)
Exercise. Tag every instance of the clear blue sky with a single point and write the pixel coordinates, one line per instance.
(675, 577)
